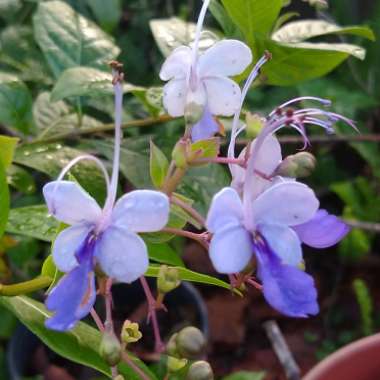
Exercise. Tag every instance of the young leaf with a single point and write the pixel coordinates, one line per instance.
(158, 165)
(80, 344)
(253, 16)
(4, 199)
(15, 103)
(208, 148)
(7, 148)
(68, 39)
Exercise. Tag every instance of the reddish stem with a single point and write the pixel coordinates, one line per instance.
(190, 210)
(152, 315)
(221, 160)
(138, 370)
(97, 320)
(199, 238)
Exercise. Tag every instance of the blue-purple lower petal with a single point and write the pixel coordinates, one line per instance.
(74, 295)
(323, 230)
(286, 288)
(205, 128)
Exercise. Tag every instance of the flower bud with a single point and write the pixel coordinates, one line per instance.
(200, 370)
(193, 113)
(130, 332)
(297, 166)
(168, 279)
(171, 346)
(190, 342)
(179, 154)
(119, 377)
(174, 364)
(110, 348)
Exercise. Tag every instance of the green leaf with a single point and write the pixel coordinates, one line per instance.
(79, 344)
(15, 103)
(253, 16)
(51, 158)
(208, 148)
(164, 253)
(20, 179)
(245, 375)
(4, 199)
(189, 275)
(68, 39)
(158, 165)
(296, 63)
(32, 221)
(107, 13)
(173, 32)
(298, 31)
(7, 148)
(223, 19)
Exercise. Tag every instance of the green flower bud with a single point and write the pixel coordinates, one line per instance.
(190, 342)
(110, 348)
(130, 332)
(168, 279)
(174, 364)
(200, 370)
(119, 377)
(193, 113)
(171, 346)
(179, 154)
(297, 166)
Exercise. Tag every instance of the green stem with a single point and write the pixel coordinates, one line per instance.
(103, 128)
(25, 287)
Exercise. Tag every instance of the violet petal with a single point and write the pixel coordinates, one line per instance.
(205, 128)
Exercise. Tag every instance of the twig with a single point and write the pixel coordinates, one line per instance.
(102, 128)
(368, 226)
(97, 320)
(282, 351)
(199, 238)
(152, 315)
(322, 139)
(134, 366)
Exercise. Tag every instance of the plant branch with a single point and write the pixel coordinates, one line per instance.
(134, 366)
(190, 210)
(103, 128)
(368, 226)
(199, 238)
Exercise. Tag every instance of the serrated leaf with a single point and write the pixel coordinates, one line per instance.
(173, 32)
(68, 39)
(253, 16)
(189, 275)
(4, 199)
(15, 103)
(7, 148)
(51, 158)
(298, 31)
(80, 344)
(158, 165)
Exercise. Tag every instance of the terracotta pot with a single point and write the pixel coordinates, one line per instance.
(357, 361)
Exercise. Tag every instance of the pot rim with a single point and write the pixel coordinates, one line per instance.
(340, 356)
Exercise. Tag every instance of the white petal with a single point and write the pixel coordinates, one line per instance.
(288, 203)
(70, 204)
(269, 155)
(223, 95)
(174, 97)
(225, 58)
(122, 254)
(142, 211)
(67, 244)
(284, 243)
(226, 209)
(231, 249)
(177, 64)
(197, 95)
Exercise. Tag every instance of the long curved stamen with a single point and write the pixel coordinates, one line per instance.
(118, 91)
(325, 102)
(248, 83)
(198, 31)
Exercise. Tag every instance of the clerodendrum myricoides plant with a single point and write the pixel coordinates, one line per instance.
(258, 223)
